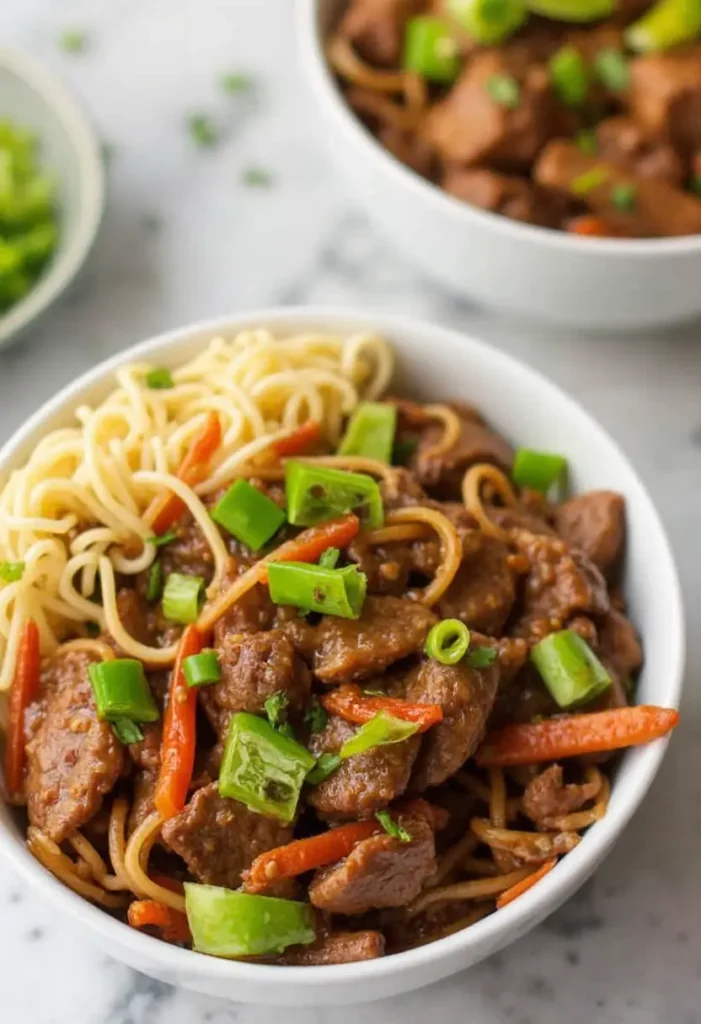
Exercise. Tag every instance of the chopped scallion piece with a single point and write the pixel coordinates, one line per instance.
(329, 559)
(316, 494)
(380, 731)
(316, 717)
(202, 130)
(611, 69)
(159, 540)
(276, 708)
(430, 49)
(73, 41)
(182, 597)
(623, 197)
(568, 76)
(537, 470)
(248, 515)
(572, 10)
(159, 379)
(257, 177)
(235, 82)
(370, 432)
(11, 572)
(585, 141)
(127, 731)
(587, 182)
(666, 24)
(122, 691)
(448, 641)
(154, 587)
(481, 657)
(504, 90)
(569, 668)
(392, 827)
(229, 923)
(339, 592)
(202, 669)
(488, 21)
(324, 767)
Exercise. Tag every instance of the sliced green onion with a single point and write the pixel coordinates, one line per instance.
(276, 708)
(392, 827)
(202, 669)
(667, 24)
(504, 90)
(448, 641)
(316, 717)
(623, 197)
(316, 494)
(569, 668)
(11, 572)
(159, 540)
(585, 141)
(257, 177)
(481, 657)
(127, 731)
(329, 559)
(248, 515)
(381, 731)
(230, 924)
(154, 587)
(370, 432)
(324, 767)
(585, 183)
(611, 69)
(73, 41)
(262, 768)
(202, 130)
(430, 50)
(339, 592)
(235, 82)
(568, 76)
(182, 597)
(159, 379)
(122, 691)
(537, 470)
(488, 21)
(580, 11)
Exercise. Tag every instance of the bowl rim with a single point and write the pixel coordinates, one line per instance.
(91, 189)
(513, 920)
(319, 74)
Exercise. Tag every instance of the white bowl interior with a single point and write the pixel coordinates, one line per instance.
(31, 96)
(434, 364)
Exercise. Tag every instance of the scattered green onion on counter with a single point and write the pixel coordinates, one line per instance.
(183, 597)
(430, 49)
(487, 21)
(248, 515)
(448, 641)
(313, 588)
(569, 668)
(537, 470)
(370, 432)
(122, 691)
(381, 731)
(316, 494)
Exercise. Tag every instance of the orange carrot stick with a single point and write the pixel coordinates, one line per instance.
(25, 687)
(171, 923)
(351, 704)
(167, 508)
(178, 743)
(591, 226)
(525, 884)
(574, 735)
(299, 440)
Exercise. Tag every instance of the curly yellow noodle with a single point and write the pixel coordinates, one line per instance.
(49, 854)
(475, 889)
(136, 864)
(451, 548)
(476, 476)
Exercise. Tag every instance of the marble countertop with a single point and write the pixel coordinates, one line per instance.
(184, 237)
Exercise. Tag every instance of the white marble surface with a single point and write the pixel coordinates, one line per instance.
(182, 239)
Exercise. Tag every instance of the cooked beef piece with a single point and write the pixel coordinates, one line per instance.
(521, 698)
(594, 523)
(389, 629)
(590, 41)
(73, 758)
(142, 803)
(471, 127)
(252, 613)
(364, 783)
(426, 554)
(253, 668)
(409, 148)
(220, 838)
(146, 753)
(466, 696)
(561, 583)
(189, 553)
(658, 208)
(665, 96)
(401, 487)
(380, 872)
(520, 519)
(376, 28)
(618, 647)
(508, 195)
(620, 140)
(511, 653)
(483, 591)
(335, 948)
(546, 796)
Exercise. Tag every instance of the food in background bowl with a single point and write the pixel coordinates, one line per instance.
(582, 116)
(28, 214)
(258, 619)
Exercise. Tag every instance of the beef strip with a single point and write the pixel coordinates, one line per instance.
(220, 838)
(618, 646)
(400, 487)
(364, 783)
(522, 697)
(665, 96)
(620, 140)
(409, 148)
(73, 758)
(379, 872)
(658, 209)
(189, 553)
(388, 630)
(142, 803)
(546, 796)
(376, 28)
(335, 948)
(519, 518)
(483, 591)
(594, 523)
(508, 195)
(466, 696)
(253, 668)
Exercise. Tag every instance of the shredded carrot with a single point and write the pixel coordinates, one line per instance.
(150, 913)
(167, 508)
(25, 687)
(574, 735)
(178, 743)
(525, 884)
(591, 226)
(299, 440)
(351, 704)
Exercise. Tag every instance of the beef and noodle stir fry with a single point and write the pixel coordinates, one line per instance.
(580, 115)
(300, 671)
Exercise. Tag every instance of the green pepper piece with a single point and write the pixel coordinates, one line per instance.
(339, 592)
(667, 24)
(488, 21)
(316, 494)
(370, 432)
(233, 924)
(579, 11)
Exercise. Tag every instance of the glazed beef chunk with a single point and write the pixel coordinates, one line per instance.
(483, 591)
(219, 838)
(619, 647)
(506, 194)
(546, 796)
(594, 523)
(665, 96)
(73, 758)
(336, 948)
(364, 783)
(380, 872)
(621, 140)
(376, 27)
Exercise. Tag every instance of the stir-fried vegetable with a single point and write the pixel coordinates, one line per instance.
(122, 691)
(226, 923)
(569, 668)
(392, 827)
(24, 689)
(572, 10)
(351, 704)
(370, 432)
(172, 924)
(182, 597)
(509, 895)
(317, 493)
(159, 379)
(448, 641)
(430, 49)
(381, 731)
(569, 76)
(504, 90)
(667, 24)
(611, 69)
(313, 588)
(179, 728)
(262, 768)
(325, 766)
(488, 21)
(248, 515)
(11, 572)
(298, 441)
(167, 508)
(537, 470)
(202, 669)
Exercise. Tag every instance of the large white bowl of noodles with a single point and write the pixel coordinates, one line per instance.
(433, 364)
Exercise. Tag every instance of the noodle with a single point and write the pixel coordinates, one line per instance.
(49, 854)
(475, 889)
(484, 472)
(451, 548)
(528, 846)
(451, 434)
(136, 862)
(345, 62)
(116, 841)
(599, 786)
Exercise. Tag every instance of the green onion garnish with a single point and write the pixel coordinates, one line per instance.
(127, 731)
(248, 515)
(481, 657)
(504, 90)
(568, 76)
(202, 130)
(10, 572)
(276, 708)
(313, 588)
(324, 767)
(430, 50)
(257, 177)
(154, 587)
(381, 731)
(537, 470)
(448, 641)
(235, 82)
(329, 558)
(585, 141)
(202, 669)
(316, 717)
(231, 924)
(623, 197)
(73, 41)
(487, 21)
(316, 494)
(370, 431)
(159, 379)
(160, 539)
(121, 691)
(587, 182)
(611, 69)
(569, 668)
(392, 827)
(182, 597)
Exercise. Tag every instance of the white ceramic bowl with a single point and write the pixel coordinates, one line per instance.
(34, 98)
(434, 364)
(516, 268)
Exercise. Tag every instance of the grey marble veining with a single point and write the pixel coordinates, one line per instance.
(184, 238)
